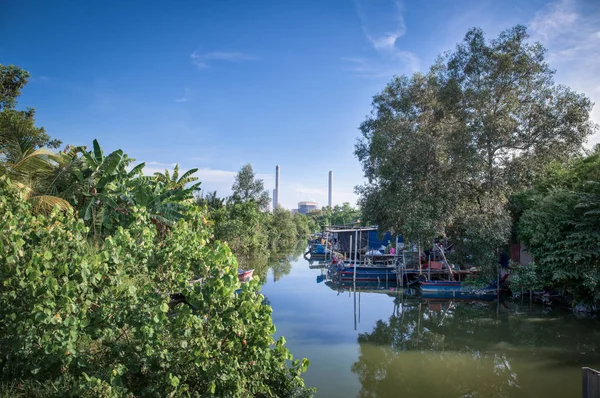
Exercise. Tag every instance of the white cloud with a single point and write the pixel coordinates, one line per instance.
(554, 20)
(570, 30)
(203, 60)
(216, 176)
(383, 24)
(156, 167)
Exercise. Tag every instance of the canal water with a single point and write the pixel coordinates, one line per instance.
(390, 344)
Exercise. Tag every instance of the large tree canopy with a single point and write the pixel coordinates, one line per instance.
(443, 150)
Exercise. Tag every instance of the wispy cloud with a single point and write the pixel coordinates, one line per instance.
(570, 30)
(383, 24)
(186, 95)
(554, 19)
(204, 60)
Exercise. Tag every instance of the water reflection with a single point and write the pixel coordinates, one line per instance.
(461, 349)
(280, 262)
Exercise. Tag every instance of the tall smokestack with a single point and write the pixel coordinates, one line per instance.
(330, 188)
(276, 195)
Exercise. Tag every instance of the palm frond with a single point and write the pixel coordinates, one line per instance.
(43, 204)
(36, 162)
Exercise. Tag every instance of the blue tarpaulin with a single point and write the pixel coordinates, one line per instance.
(375, 241)
(320, 249)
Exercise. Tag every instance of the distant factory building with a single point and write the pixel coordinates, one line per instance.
(305, 207)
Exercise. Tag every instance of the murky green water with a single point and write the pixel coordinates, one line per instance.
(393, 345)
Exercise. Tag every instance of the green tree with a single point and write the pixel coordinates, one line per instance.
(344, 215)
(443, 151)
(559, 221)
(282, 229)
(25, 157)
(24, 153)
(247, 187)
(12, 80)
(245, 228)
(210, 200)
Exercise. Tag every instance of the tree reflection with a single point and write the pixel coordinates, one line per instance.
(280, 262)
(465, 350)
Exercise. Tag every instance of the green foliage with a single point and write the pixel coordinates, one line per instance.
(12, 80)
(94, 317)
(559, 221)
(443, 151)
(97, 320)
(305, 225)
(283, 232)
(25, 157)
(248, 188)
(253, 234)
(244, 227)
(338, 215)
(527, 278)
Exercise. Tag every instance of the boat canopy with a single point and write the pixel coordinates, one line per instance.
(370, 239)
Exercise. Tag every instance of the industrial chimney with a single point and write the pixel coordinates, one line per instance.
(276, 194)
(329, 202)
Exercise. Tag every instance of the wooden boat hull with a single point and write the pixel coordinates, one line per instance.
(459, 295)
(368, 275)
(245, 276)
(439, 287)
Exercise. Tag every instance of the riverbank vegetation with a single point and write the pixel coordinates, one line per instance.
(444, 151)
(336, 215)
(91, 250)
(559, 221)
(254, 234)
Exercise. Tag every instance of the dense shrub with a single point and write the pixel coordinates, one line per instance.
(97, 319)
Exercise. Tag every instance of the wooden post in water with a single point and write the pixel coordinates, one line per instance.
(590, 383)
(498, 285)
(396, 261)
(360, 244)
(355, 256)
(350, 254)
(429, 267)
(326, 242)
(354, 306)
(419, 257)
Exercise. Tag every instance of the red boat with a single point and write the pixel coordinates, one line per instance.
(245, 276)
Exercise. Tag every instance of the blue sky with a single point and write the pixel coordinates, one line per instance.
(217, 84)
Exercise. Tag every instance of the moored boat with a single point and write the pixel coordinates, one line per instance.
(246, 275)
(368, 274)
(455, 287)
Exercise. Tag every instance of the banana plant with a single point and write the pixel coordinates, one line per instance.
(173, 181)
(104, 180)
(165, 197)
